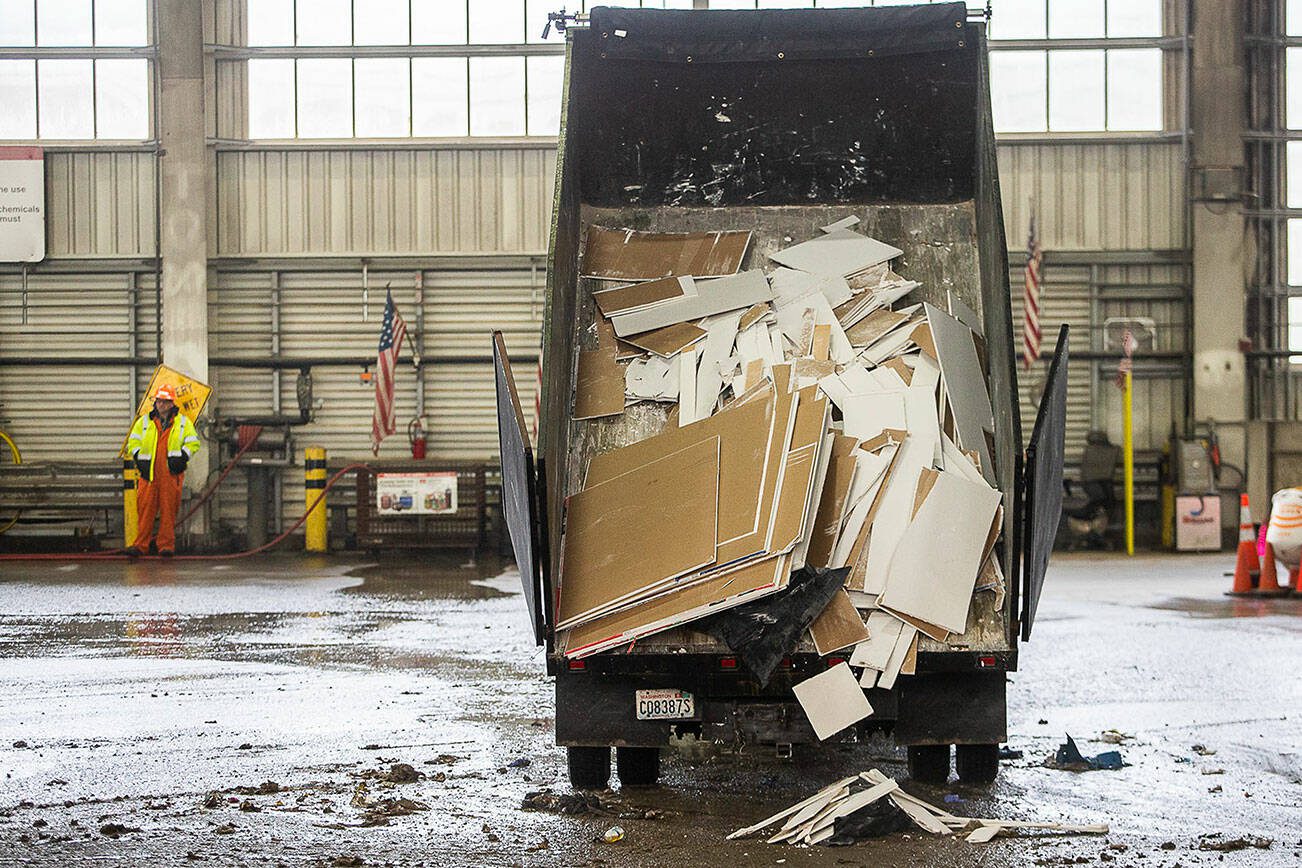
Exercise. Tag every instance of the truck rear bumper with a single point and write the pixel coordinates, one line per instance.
(597, 708)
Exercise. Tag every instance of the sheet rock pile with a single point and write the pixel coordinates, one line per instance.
(820, 420)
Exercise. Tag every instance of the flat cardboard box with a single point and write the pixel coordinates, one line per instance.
(626, 254)
(656, 522)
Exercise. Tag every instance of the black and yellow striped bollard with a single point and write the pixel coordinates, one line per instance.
(130, 516)
(314, 463)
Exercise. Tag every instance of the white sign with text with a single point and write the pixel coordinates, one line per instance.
(22, 204)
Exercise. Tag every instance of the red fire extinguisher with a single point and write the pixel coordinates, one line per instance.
(416, 437)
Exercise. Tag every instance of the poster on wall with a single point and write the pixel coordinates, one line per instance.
(22, 204)
(416, 493)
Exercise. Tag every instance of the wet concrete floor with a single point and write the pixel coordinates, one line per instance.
(238, 714)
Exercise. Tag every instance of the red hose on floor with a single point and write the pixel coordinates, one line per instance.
(118, 556)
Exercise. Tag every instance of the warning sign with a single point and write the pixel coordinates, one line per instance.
(22, 204)
(191, 396)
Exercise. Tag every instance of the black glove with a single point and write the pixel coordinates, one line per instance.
(176, 465)
(142, 467)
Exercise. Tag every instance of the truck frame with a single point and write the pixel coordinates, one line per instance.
(780, 122)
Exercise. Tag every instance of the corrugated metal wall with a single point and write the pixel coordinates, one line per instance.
(100, 204)
(373, 203)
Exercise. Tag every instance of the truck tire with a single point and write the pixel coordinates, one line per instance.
(638, 766)
(976, 763)
(929, 763)
(589, 767)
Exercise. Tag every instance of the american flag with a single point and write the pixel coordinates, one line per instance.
(1031, 299)
(391, 335)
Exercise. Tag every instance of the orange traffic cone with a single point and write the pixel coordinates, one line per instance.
(1268, 584)
(1247, 569)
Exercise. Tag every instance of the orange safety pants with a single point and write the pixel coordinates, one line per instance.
(159, 499)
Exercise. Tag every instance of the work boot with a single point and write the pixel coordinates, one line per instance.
(166, 553)
(131, 552)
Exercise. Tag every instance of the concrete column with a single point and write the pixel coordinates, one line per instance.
(1218, 116)
(183, 206)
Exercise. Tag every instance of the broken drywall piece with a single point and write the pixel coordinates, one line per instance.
(687, 387)
(839, 626)
(721, 333)
(627, 254)
(832, 700)
(839, 253)
(901, 650)
(598, 385)
(655, 523)
(965, 385)
(796, 323)
(964, 314)
(844, 223)
(883, 633)
(790, 285)
(717, 295)
(866, 415)
(664, 342)
(652, 379)
(639, 295)
(874, 326)
(933, 571)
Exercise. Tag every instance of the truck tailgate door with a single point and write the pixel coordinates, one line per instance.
(519, 487)
(1042, 504)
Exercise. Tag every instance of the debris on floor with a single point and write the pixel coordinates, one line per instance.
(823, 466)
(1069, 758)
(855, 807)
(1216, 842)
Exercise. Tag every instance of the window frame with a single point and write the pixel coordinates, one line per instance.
(94, 53)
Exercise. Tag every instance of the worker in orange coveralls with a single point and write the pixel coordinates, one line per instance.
(161, 443)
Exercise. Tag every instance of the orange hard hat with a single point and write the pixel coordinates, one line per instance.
(165, 393)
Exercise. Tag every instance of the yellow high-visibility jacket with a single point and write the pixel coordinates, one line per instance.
(182, 439)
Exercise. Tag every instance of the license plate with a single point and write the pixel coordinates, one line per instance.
(665, 705)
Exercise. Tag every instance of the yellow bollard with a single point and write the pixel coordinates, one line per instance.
(314, 463)
(1128, 458)
(130, 516)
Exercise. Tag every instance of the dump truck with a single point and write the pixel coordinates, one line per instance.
(779, 122)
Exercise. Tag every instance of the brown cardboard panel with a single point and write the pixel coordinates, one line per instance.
(599, 385)
(654, 523)
(666, 341)
(625, 254)
(875, 325)
(922, 337)
(796, 485)
(839, 626)
(750, 317)
(685, 603)
(613, 301)
(827, 521)
(743, 431)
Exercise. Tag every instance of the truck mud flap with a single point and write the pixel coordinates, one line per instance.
(952, 708)
(521, 494)
(1042, 498)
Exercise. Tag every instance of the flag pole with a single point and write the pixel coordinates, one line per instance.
(1128, 454)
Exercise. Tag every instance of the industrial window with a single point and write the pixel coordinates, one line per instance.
(99, 92)
(1053, 67)
(300, 85)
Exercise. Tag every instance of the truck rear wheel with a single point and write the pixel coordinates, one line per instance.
(929, 763)
(976, 763)
(638, 766)
(589, 767)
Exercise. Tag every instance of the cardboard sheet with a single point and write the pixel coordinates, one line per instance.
(839, 626)
(640, 295)
(625, 254)
(839, 253)
(933, 571)
(668, 340)
(598, 386)
(654, 523)
(832, 700)
(738, 292)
